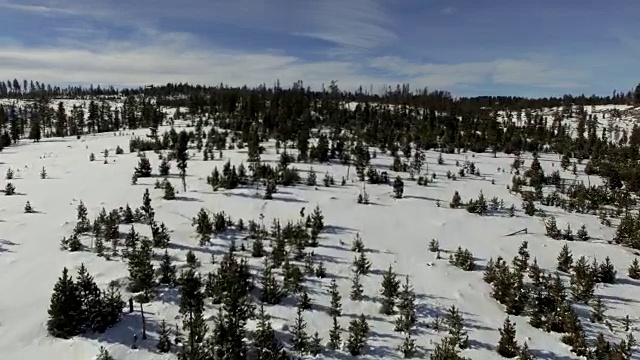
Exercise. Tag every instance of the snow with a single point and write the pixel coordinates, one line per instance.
(395, 232)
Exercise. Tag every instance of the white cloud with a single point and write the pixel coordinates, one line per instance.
(39, 9)
(353, 24)
(448, 11)
(169, 59)
(534, 71)
(151, 56)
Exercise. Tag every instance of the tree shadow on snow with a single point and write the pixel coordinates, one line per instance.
(5, 244)
(131, 324)
(187, 198)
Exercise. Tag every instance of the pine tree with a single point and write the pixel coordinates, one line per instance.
(43, 173)
(181, 147)
(103, 354)
(334, 334)
(634, 269)
(361, 264)
(398, 187)
(565, 259)
(335, 308)
(300, 340)
(456, 201)
(305, 300)
(606, 273)
(446, 349)
(169, 191)
(89, 294)
(257, 248)
(164, 167)
(9, 189)
(191, 309)
(357, 292)
(408, 347)
(271, 290)
(389, 291)
(28, 209)
(358, 333)
(64, 310)
(167, 270)
(315, 347)
(143, 170)
(597, 313)
(507, 346)
(268, 347)
(582, 234)
(455, 323)
(552, 228)
(141, 272)
(164, 342)
(525, 353)
(358, 244)
(406, 307)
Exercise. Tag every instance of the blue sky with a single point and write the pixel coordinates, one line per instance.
(468, 47)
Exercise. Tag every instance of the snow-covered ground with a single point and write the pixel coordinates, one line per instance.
(396, 232)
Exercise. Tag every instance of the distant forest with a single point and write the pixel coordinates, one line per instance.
(187, 94)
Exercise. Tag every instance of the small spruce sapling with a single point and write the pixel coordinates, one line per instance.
(507, 345)
(9, 189)
(28, 209)
(389, 291)
(634, 269)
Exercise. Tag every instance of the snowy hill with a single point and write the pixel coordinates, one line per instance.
(396, 232)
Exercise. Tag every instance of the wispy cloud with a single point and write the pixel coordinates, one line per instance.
(450, 10)
(358, 42)
(535, 71)
(359, 24)
(39, 9)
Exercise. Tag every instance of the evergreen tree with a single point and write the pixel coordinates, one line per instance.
(358, 333)
(634, 269)
(304, 301)
(271, 290)
(456, 201)
(408, 347)
(315, 346)
(334, 334)
(361, 264)
(300, 340)
(389, 291)
(358, 244)
(455, 323)
(191, 309)
(141, 272)
(268, 347)
(597, 313)
(65, 308)
(28, 209)
(398, 187)
(90, 297)
(103, 354)
(582, 234)
(167, 270)
(565, 259)
(335, 308)
(143, 170)
(606, 273)
(181, 147)
(169, 191)
(406, 307)
(164, 167)
(164, 342)
(525, 353)
(507, 346)
(357, 292)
